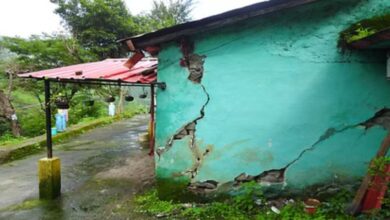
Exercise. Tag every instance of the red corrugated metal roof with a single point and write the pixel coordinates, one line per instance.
(145, 71)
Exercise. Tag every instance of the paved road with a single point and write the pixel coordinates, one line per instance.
(101, 171)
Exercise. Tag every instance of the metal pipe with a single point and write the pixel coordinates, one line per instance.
(49, 144)
(151, 141)
(160, 85)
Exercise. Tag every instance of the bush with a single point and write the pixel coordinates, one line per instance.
(4, 127)
(32, 122)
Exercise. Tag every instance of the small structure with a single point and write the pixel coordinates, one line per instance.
(136, 71)
(264, 93)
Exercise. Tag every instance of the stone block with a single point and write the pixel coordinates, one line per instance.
(49, 172)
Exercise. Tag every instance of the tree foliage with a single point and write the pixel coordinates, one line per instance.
(39, 53)
(97, 24)
(45, 52)
(165, 14)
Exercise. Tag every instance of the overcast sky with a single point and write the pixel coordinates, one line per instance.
(26, 17)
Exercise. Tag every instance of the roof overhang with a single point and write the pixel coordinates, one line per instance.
(109, 71)
(187, 29)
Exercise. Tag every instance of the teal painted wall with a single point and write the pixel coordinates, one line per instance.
(276, 85)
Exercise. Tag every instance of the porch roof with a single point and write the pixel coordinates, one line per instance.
(109, 70)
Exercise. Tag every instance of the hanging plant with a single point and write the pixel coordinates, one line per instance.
(62, 102)
(110, 99)
(129, 98)
(144, 94)
(64, 95)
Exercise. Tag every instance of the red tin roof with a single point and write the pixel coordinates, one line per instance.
(144, 72)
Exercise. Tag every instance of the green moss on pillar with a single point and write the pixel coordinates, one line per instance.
(49, 178)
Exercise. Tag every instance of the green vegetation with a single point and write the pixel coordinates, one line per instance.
(8, 139)
(364, 29)
(98, 24)
(248, 203)
(27, 204)
(378, 166)
(20, 147)
(164, 15)
(32, 118)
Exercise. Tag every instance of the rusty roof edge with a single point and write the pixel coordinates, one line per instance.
(212, 22)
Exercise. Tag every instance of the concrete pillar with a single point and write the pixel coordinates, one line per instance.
(49, 170)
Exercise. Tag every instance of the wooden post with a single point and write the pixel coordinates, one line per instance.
(355, 207)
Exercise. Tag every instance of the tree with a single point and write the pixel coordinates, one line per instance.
(97, 24)
(44, 52)
(165, 14)
(7, 112)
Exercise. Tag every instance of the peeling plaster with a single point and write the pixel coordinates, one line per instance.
(203, 187)
(195, 67)
(269, 176)
(381, 118)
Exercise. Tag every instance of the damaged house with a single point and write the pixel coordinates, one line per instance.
(265, 93)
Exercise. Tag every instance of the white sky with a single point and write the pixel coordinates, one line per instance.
(26, 17)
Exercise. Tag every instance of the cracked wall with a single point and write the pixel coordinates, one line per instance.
(286, 106)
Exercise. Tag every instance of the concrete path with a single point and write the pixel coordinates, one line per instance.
(101, 171)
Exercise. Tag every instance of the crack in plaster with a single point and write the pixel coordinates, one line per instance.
(194, 64)
(277, 175)
(381, 118)
(187, 130)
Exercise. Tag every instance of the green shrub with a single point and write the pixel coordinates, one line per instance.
(151, 204)
(32, 122)
(4, 127)
(247, 195)
(8, 138)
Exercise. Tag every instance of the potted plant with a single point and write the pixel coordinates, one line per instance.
(61, 102)
(311, 205)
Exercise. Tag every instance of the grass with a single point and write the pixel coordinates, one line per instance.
(28, 120)
(8, 140)
(246, 205)
(27, 204)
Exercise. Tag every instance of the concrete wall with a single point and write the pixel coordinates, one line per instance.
(278, 102)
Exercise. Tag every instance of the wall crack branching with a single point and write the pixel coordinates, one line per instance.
(194, 63)
(381, 118)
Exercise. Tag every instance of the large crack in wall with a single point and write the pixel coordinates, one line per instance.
(277, 176)
(381, 118)
(194, 63)
(188, 129)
